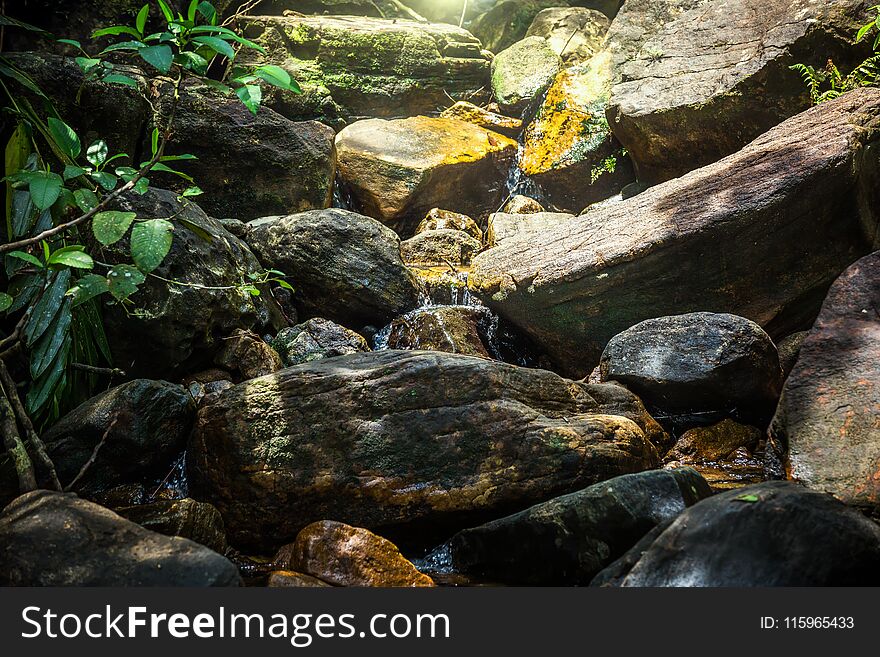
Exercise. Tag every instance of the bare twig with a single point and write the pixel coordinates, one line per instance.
(24, 467)
(88, 464)
(24, 421)
(91, 369)
(463, 12)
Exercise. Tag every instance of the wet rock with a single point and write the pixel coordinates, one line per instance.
(573, 33)
(143, 424)
(407, 443)
(569, 539)
(252, 165)
(344, 266)
(714, 443)
(520, 204)
(343, 555)
(398, 170)
(789, 349)
(247, 354)
(439, 247)
(197, 521)
(438, 219)
(470, 113)
(828, 420)
(508, 21)
(179, 328)
(315, 339)
(749, 218)
(291, 579)
(742, 467)
(354, 67)
(503, 226)
(57, 539)
(453, 329)
(698, 363)
(691, 97)
(771, 534)
(445, 286)
(522, 73)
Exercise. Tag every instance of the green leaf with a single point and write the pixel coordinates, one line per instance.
(71, 172)
(277, 76)
(97, 153)
(123, 281)
(65, 137)
(88, 287)
(25, 289)
(158, 166)
(207, 10)
(121, 79)
(70, 42)
(13, 22)
(124, 45)
(5, 301)
(751, 499)
(191, 12)
(192, 191)
(47, 348)
(141, 21)
(47, 307)
(160, 57)
(87, 64)
(150, 243)
(217, 45)
(196, 228)
(27, 257)
(154, 141)
(106, 180)
(863, 32)
(45, 187)
(110, 227)
(218, 86)
(282, 283)
(72, 256)
(251, 95)
(225, 31)
(166, 11)
(192, 61)
(116, 30)
(44, 389)
(85, 199)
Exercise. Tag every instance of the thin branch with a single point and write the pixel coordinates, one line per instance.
(463, 12)
(24, 467)
(112, 371)
(88, 464)
(24, 420)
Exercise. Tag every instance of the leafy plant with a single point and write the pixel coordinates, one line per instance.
(57, 187)
(829, 83)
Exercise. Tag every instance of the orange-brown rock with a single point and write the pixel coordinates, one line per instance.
(343, 555)
(438, 219)
(246, 353)
(465, 111)
(285, 579)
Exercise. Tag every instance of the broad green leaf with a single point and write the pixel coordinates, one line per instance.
(87, 64)
(70, 42)
(218, 86)
(124, 45)
(110, 227)
(287, 286)
(106, 180)
(48, 346)
(751, 499)
(225, 31)
(863, 32)
(116, 30)
(5, 301)
(192, 61)
(141, 21)
(88, 287)
(166, 11)
(90, 314)
(150, 243)
(278, 77)
(160, 57)
(47, 307)
(207, 10)
(123, 281)
(26, 257)
(97, 153)
(121, 79)
(71, 172)
(85, 199)
(25, 289)
(45, 387)
(250, 95)
(196, 228)
(217, 45)
(45, 188)
(192, 191)
(72, 256)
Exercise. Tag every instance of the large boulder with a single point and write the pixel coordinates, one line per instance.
(505, 226)
(569, 539)
(253, 165)
(197, 521)
(141, 427)
(345, 266)
(573, 33)
(440, 247)
(453, 329)
(508, 21)
(465, 111)
(760, 234)
(692, 96)
(352, 67)
(343, 555)
(407, 443)
(396, 171)
(828, 420)
(56, 539)
(772, 534)
(315, 339)
(522, 73)
(182, 319)
(700, 363)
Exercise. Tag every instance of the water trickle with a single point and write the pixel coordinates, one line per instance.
(437, 562)
(342, 198)
(175, 485)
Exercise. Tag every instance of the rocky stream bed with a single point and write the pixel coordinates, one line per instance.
(505, 361)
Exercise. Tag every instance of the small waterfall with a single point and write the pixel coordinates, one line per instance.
(518, 183)
(342, 198)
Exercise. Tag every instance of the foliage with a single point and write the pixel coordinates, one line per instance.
(829, 83)
(57, 187)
